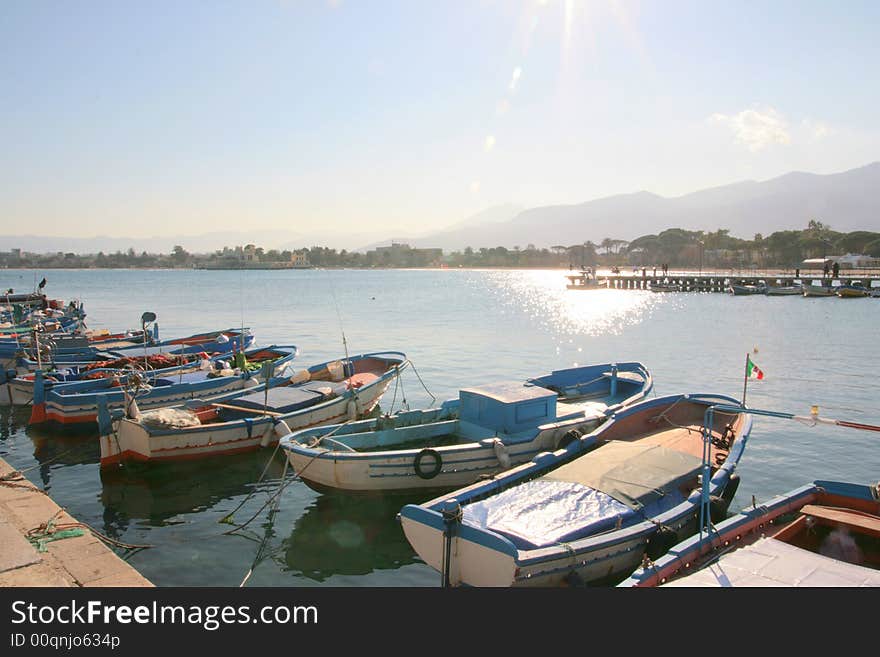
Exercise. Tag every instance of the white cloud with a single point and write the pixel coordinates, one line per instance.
(756, 128)
(816, 129)
(514, 78)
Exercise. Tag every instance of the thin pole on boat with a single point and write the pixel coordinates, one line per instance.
(37, 345)
(342, 330)
(708, 421)
(745, 379)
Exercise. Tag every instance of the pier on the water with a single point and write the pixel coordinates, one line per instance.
(688, 282)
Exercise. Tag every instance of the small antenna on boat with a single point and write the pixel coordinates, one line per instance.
(341, 329)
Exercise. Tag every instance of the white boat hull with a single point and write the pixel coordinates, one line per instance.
(460, 465)
(595, 560)
(131, 440)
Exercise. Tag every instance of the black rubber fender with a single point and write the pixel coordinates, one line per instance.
(717, 508)
(568, 438)
(661, 542)
(730, 489)
(435, 470)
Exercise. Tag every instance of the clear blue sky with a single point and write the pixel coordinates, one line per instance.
(394, 118)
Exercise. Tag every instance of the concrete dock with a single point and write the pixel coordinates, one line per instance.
(73, 556)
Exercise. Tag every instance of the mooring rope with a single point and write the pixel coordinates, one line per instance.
(50, 530)
(433, 398)
(228, 517)
(261, 550)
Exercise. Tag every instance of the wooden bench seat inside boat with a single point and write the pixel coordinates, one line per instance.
(858, 520)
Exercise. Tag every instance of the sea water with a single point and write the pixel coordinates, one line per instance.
(459, 328)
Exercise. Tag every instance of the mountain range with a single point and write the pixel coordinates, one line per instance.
(846, 201)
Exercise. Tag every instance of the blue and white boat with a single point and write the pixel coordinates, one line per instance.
(591, 511)
(825, 533)
(75, 404)
(485, 430)
(73, 352)
(245, 420)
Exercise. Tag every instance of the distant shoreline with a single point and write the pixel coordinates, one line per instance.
(599, 270)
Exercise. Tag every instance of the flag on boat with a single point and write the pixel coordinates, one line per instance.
(752, 370)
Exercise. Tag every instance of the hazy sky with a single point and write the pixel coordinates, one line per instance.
(393, 118)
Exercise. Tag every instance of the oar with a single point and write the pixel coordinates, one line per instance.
(815, 419)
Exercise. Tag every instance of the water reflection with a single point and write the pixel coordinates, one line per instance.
(542, 295)
(159, 494)
(342, 535)
(12, 420)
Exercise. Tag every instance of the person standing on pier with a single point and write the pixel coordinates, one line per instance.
(836, 269)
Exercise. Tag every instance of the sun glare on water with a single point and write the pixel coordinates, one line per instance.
(543, 296)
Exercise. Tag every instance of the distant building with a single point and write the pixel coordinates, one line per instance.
(848, 261)
(403, 254)
(299, 260)
(11, 257)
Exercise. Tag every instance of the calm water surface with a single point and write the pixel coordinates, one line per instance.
(460, 328)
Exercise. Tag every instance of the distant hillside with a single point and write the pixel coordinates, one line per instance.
(846, 201)
(205, 243)
(484, 220)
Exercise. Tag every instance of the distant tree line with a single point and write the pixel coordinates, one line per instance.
(675, 247)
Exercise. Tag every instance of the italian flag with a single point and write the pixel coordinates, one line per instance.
(753, 371)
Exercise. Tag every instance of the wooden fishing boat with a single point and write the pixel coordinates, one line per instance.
(665, 287)
(826, 533)
(18, 389)
(325, 393)
(741, 290)
(819, 291)
(75, 405)
(784, 290)
(227, 341)
(485, 430)
(589, 512)
(585, 280)
(852, 290)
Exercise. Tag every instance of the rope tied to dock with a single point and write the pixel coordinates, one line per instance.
(51, 530)
(48, 531)
(16, 479)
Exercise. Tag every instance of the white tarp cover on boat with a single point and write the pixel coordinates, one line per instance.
(769, 562)
(543, 512)
(616, 484)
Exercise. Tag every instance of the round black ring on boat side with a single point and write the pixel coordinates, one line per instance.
(435, 470)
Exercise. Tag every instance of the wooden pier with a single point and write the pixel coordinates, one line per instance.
(694, 282)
